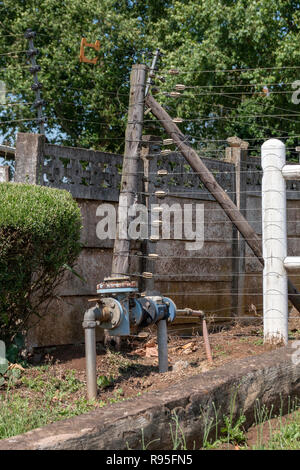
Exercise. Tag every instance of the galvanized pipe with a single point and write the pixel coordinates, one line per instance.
(89, 324)
(162, 342)
(91, 368)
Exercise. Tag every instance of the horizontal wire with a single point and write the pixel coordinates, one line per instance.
(236, 85)
(180, 71)
(226, 308)
(238, 98)
(216, 275)
(15, 68)
(207, 294)
(12, 53)
(209, 118)
(215, 93)
(15, 103)
(136, 255)
(197, 191)
(237, 318)
(19, 120)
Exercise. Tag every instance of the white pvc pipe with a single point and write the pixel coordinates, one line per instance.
(275, 289)
(291, 172)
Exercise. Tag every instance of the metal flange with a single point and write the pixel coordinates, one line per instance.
(111, 313)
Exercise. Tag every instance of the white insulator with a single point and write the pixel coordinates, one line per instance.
(166, 152)
(168, 141)
(157, 209)
(147, 275)
(175, 94)
(160, 193)
(153, 255)
(177, 119)
(179, 87)
(173, 72)
(162, 172)
(154, 238)
(291, 172)
(292, 263)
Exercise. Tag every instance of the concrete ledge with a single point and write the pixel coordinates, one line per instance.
(270, 378)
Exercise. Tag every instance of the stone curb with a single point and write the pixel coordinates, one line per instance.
(268, 379)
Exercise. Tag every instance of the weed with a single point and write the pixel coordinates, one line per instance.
(177, 436)
(103, 381)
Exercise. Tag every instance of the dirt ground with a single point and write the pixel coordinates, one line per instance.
(134, 370)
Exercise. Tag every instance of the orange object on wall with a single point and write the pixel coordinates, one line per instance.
(84, 44)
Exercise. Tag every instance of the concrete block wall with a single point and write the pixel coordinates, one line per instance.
(202, 279)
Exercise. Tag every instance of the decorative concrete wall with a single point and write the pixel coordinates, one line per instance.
(222, 278)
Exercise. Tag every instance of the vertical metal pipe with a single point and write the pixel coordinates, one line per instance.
(274, 237)
(91, 369)
(162, 341)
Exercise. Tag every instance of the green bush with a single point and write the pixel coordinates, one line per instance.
(39, 239)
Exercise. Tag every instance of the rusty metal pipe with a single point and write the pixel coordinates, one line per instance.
(201, 314)
(206, 342)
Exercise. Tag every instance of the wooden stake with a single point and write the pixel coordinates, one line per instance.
(214, 188)
(131, 164)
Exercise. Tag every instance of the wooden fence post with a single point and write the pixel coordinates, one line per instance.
(130, 177)
(237, 154)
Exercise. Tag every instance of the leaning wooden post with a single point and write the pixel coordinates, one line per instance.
(237, 154)
(130, 177)
(214, 188)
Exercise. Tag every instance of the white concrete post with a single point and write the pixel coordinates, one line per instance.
(274, 232)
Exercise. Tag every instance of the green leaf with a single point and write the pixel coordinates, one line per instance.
(3, 367)
(12, 353)
(103, 381)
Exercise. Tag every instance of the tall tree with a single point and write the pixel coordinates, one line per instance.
(238, 60)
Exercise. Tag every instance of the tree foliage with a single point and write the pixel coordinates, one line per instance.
(39, 239)
(207, 40)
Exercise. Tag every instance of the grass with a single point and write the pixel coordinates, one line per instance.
(288, 437)
(19, 413)
(285, 435)
(284, 432)
(41, 398)
(46, 394)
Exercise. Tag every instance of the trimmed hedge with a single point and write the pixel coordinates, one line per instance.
(39, 239)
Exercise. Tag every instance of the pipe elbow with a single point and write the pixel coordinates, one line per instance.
(90, 317)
